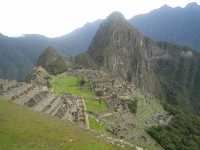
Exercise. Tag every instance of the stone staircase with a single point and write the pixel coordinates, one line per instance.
(40, 99)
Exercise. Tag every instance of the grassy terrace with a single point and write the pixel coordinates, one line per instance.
(70, 84)
(99, 127)
(22, 129)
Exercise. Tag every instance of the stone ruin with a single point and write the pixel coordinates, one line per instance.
(120, 122)
(39, 98)
(117, 93)
(38, 76)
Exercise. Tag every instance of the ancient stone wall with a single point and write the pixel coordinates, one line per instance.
(40, 99)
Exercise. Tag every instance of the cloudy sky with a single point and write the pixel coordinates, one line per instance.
(57, 17)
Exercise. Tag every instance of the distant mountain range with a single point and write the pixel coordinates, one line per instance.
(18, 55)
(177, 25)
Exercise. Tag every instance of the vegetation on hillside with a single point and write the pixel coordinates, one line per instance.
(95, 125)
(167, 24)
(22, 129)
(182, 133)
(52, 61)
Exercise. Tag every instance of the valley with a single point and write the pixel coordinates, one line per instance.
(124, 91)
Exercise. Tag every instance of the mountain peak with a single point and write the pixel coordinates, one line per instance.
(116, 14)
(116, 17)
(192, 5)
(165, 7)
(51, 61)
(50, 50)
(120, 49)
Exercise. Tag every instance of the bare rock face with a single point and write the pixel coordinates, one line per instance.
(162, 69)
(122, 50)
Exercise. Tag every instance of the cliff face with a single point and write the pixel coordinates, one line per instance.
(178, 71)
(166, 70)
(122, 50)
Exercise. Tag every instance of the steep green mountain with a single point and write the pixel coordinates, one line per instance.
(168, 71)
(122, 50)
(18, 55)
(182, 133)
(177, 25)
(179, 73)
(52, 61)
(77, 41)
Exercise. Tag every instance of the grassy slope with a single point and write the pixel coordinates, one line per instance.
(70, 84)
(97, 126)
(145, 110)
(22, 129)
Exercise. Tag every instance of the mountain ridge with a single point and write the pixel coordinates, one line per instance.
(133, 78)
(161, 68)
(180, 24)
(19, 54)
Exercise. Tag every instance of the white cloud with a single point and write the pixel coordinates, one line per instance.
(57, 17)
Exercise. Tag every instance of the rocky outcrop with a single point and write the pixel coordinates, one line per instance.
(38, 76)
(123, 51)
(51, 61)
(40, 99)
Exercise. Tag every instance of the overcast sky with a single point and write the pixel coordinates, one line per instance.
(57, 17)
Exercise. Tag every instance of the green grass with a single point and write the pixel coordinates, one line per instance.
(97, 126)
(22, 129)
(70, 84)
(146, 108)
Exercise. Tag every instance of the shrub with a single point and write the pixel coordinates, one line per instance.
(132, 105)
